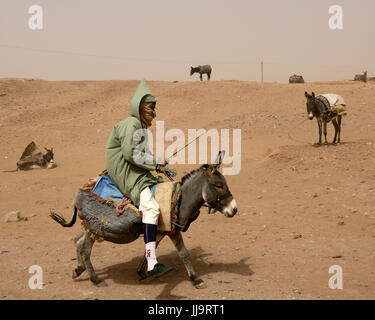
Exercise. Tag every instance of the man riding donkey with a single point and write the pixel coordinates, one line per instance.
(130, 166)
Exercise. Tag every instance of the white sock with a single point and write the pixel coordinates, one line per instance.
(151, 255)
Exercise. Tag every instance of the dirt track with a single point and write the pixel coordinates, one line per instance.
(302, 208)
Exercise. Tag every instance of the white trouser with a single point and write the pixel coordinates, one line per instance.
(149, 207)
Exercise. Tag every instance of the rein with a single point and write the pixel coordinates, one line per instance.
(295, 127)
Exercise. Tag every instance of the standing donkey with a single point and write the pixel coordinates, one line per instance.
(325, 108)
(201, 70)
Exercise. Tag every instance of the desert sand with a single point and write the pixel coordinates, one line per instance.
(301, 208)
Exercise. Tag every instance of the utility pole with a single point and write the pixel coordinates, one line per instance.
(261, 68)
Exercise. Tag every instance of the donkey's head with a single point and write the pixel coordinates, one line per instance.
(193, 70)
(49, 155)
(310, 105)
(215, 190)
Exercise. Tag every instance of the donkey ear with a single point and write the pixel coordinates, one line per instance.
(219, 158)
(306, 94)
(216, 165)
(313, 94)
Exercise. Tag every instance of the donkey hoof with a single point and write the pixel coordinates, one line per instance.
(199, 284)
(102, 284)
(99, 282)
(77, 272)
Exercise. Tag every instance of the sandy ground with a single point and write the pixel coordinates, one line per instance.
(302, 208)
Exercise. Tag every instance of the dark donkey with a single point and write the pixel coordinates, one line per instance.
(203, 185)
(319, 107)
(201, 70)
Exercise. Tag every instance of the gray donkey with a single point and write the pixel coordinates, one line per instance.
(203, 185)
(320, 107)
(201, 70)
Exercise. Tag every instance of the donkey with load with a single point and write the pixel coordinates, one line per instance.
(324, 108)
(205, 186)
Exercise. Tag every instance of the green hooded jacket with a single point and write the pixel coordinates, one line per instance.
(124, 155)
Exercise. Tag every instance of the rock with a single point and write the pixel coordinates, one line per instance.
(13, 216)
(315, 195)
(297, 236)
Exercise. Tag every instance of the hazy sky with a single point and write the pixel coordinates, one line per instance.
(161, 39)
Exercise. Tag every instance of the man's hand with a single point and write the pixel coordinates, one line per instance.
(160, 168)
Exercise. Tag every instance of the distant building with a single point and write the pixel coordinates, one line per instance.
(296, 79)
(361, 77)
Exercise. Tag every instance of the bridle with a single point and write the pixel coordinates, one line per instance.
(170, 173)
(218, 198)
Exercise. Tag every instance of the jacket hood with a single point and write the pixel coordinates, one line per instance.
(141, 92)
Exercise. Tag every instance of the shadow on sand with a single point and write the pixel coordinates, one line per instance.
(125, 273)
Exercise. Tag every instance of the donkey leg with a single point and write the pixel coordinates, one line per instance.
(209, 76)
(339, 127)
(86, 253)
(201, 76)
(334, 122)
(325, 131)
(320, 132)
(78, 241)
(142, 272)
(184, 255)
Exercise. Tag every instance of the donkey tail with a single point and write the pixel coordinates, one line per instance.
(61, 219)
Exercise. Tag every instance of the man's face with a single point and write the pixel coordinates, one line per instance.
(147, 113)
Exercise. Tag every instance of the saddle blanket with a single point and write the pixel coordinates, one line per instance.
(336, 103)
(163, 192)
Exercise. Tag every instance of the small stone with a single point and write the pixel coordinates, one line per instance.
(13, 216)
(315, 195)
(297, 236)
(341, 223)
(337, 257)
